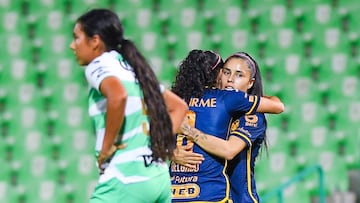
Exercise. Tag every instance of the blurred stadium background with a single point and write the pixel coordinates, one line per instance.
(308, 53)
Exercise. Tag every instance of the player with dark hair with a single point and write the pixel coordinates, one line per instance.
(211, 111)
(128, 107)
(247, 134)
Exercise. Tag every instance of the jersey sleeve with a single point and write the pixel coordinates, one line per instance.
(241, 102)
(98, 70)
(249, 128)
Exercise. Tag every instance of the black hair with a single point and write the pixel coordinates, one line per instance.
(198, 71)
(107, 25)
(257, 87)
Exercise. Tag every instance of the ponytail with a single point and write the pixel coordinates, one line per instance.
(107, 25)
(162, 139)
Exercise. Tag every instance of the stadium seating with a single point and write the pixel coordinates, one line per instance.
(277, 164)
(308, 54)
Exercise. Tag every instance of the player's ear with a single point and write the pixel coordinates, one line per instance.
(95, 42)
(251, 83)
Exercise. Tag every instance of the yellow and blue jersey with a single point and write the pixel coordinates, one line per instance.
(212, 114)
(251, 129)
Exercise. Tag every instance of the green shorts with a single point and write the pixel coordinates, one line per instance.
(155, 190)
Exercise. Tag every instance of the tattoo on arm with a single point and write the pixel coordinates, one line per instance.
(198, 135)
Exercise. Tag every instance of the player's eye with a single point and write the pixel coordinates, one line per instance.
(226, 72)
(239, 75)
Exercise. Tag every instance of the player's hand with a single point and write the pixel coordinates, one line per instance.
(186, 157)
(106, 154)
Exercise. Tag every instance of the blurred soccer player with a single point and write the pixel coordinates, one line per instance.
(128, 107)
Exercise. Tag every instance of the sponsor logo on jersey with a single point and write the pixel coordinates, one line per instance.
(251, 120)
(99, 72)
(246, 132)
(177, 168)
(148, 159)
(184, 179)
(251, 98)
(95, 62)
(196, 102)
(185, 191)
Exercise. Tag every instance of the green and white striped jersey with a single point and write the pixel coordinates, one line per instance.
(132, 163)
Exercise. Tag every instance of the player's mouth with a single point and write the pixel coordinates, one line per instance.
(229, 88)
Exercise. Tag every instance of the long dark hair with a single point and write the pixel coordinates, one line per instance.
(257, 87)
(197, 71)
(106, 24)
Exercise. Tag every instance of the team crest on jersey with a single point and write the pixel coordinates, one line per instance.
(235, 125)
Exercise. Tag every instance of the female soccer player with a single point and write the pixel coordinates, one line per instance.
(128, 107)
(247, 134)
(211, 110)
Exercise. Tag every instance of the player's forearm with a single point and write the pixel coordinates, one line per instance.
(271, 104)
(116, 96)
(114, 119)
(177, 116)
(177, 109)
(214, 145)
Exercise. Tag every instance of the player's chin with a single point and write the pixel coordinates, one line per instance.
(81, 62)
